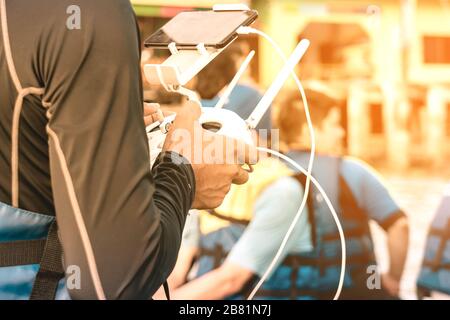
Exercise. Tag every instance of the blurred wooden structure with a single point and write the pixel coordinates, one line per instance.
(376, 53)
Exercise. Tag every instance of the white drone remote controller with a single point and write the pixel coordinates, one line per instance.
(220, 121)
(225, 122)
(156, 134)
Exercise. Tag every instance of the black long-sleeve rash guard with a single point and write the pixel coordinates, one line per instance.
(83, 154)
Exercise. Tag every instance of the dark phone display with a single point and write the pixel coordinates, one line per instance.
(212, 28)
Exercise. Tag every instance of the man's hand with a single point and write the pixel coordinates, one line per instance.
(152, 113)
(217, 161)
(397, 240)
(390, 284)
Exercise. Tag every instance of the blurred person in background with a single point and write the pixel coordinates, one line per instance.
(225, 251)
(434, 277)
(358, 194)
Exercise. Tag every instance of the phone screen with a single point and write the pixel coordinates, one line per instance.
(212, 28)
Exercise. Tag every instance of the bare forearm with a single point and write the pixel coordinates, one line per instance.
(174, 282)
(215, 285)
(208, 287)
(179, 275)
(398, 239)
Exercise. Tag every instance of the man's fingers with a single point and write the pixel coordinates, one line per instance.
(153, 118)
(150, 108)
(152, 113)
(242, 177)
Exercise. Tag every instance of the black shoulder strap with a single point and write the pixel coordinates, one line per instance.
(310, 202)
(21, 253)
(50, 270)
(166, 290)
(45, 252)
(347, 202)
(229, 219)
(438, 261)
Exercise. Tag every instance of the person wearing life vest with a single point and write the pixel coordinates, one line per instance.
(434, 277)
(358, 194)
(77, 195)
(224, 251)
(233, 245)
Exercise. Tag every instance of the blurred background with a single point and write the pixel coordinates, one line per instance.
(387, 61)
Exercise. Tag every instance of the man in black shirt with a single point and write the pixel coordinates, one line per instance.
(73, 145)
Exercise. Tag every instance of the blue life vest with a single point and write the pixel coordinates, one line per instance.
(30, 256)
(30, 252)
(435, 272)
(314, 275)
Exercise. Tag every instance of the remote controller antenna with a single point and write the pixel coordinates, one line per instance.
(265, 103)
(224, 98)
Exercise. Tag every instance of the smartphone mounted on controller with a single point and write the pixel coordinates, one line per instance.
(194, 39)
(215, 28)
(188, 58)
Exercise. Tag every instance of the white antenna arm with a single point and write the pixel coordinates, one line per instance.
(190, 94)
(224, 98)
(276, 86)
